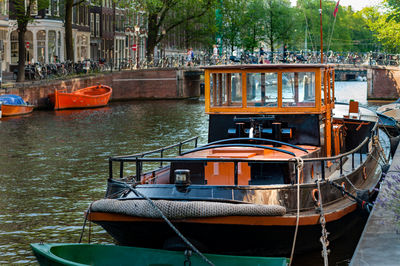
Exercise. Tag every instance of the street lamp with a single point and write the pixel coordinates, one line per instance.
(137, 29)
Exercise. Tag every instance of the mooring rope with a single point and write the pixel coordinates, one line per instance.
(84, 224)
(299, 166)
(170, 224)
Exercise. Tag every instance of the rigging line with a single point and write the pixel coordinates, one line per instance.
(384, 127)
(309, 30)
(330, 39)
(299, 165)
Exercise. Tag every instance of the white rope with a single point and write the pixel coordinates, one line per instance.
(299, 166)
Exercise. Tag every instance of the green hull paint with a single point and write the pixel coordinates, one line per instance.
(94, 254)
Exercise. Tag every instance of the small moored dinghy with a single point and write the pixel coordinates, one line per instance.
(93, 254)
(12, 105)
(94, 96)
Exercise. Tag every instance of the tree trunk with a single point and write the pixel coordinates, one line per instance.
(21, 53)
(68, 30)
(152, 36)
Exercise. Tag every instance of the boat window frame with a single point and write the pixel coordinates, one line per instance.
(322, 76)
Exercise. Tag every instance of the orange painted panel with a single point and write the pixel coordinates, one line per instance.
(224, 174)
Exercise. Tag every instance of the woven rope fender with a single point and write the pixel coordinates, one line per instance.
(184, 209)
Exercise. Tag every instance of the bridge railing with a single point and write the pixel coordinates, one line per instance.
(204, 59)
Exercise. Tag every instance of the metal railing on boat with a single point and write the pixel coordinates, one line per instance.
(127, 158)
(139, 158)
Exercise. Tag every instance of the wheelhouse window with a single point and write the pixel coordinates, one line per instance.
(226, 89)
(262, 89)
(298, 89)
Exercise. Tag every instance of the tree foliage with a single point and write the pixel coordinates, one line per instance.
(165, 15)
(385, 28)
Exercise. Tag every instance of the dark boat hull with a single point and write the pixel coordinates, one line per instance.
(234, 239)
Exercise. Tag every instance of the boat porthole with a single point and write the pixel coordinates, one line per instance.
(315, 195)
(364, 173)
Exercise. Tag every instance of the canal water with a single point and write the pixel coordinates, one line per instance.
(54, 163)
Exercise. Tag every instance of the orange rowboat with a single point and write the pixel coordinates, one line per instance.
(14, 105)
(95, 96)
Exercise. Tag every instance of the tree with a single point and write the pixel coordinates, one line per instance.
(385, 27)
(158, 11)
(279, 23)
(233, 22)
(69, 45)
(252, 31)
(22, 11)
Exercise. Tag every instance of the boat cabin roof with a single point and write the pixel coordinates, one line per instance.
(269, 89)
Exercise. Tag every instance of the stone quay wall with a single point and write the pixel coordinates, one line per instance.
(383, 83)
(126, 85)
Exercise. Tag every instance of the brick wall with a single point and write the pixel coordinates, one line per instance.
(127, 85)
(385, 83)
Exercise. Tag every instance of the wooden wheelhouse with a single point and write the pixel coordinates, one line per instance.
(287, 92)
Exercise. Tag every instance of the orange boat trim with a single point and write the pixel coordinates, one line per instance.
(233, 220)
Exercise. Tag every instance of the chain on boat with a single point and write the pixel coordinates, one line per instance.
(299, 167)
(324, 237)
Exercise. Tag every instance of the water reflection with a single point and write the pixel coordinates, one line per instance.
(53, 164)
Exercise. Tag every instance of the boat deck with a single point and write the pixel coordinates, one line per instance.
(253, 153)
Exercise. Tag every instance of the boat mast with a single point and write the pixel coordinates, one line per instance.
(320, 22)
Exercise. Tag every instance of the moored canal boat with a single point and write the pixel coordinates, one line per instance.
(283, 168)
(12, 105)
(89, 97)
(96, 254)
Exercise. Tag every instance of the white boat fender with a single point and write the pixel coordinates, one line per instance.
(251, 132)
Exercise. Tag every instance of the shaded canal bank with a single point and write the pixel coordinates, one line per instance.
(127, 85)
(53, 164)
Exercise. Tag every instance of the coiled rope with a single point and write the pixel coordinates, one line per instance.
(299, 167)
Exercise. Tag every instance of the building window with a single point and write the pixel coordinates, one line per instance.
(14, 47)
(3, 8)
(41, 46)
(97, 24)
(52, 46)
(56, 8)
(82, 45)
(59, 46)
(92, 25)
(74, 15)
(48, 8)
